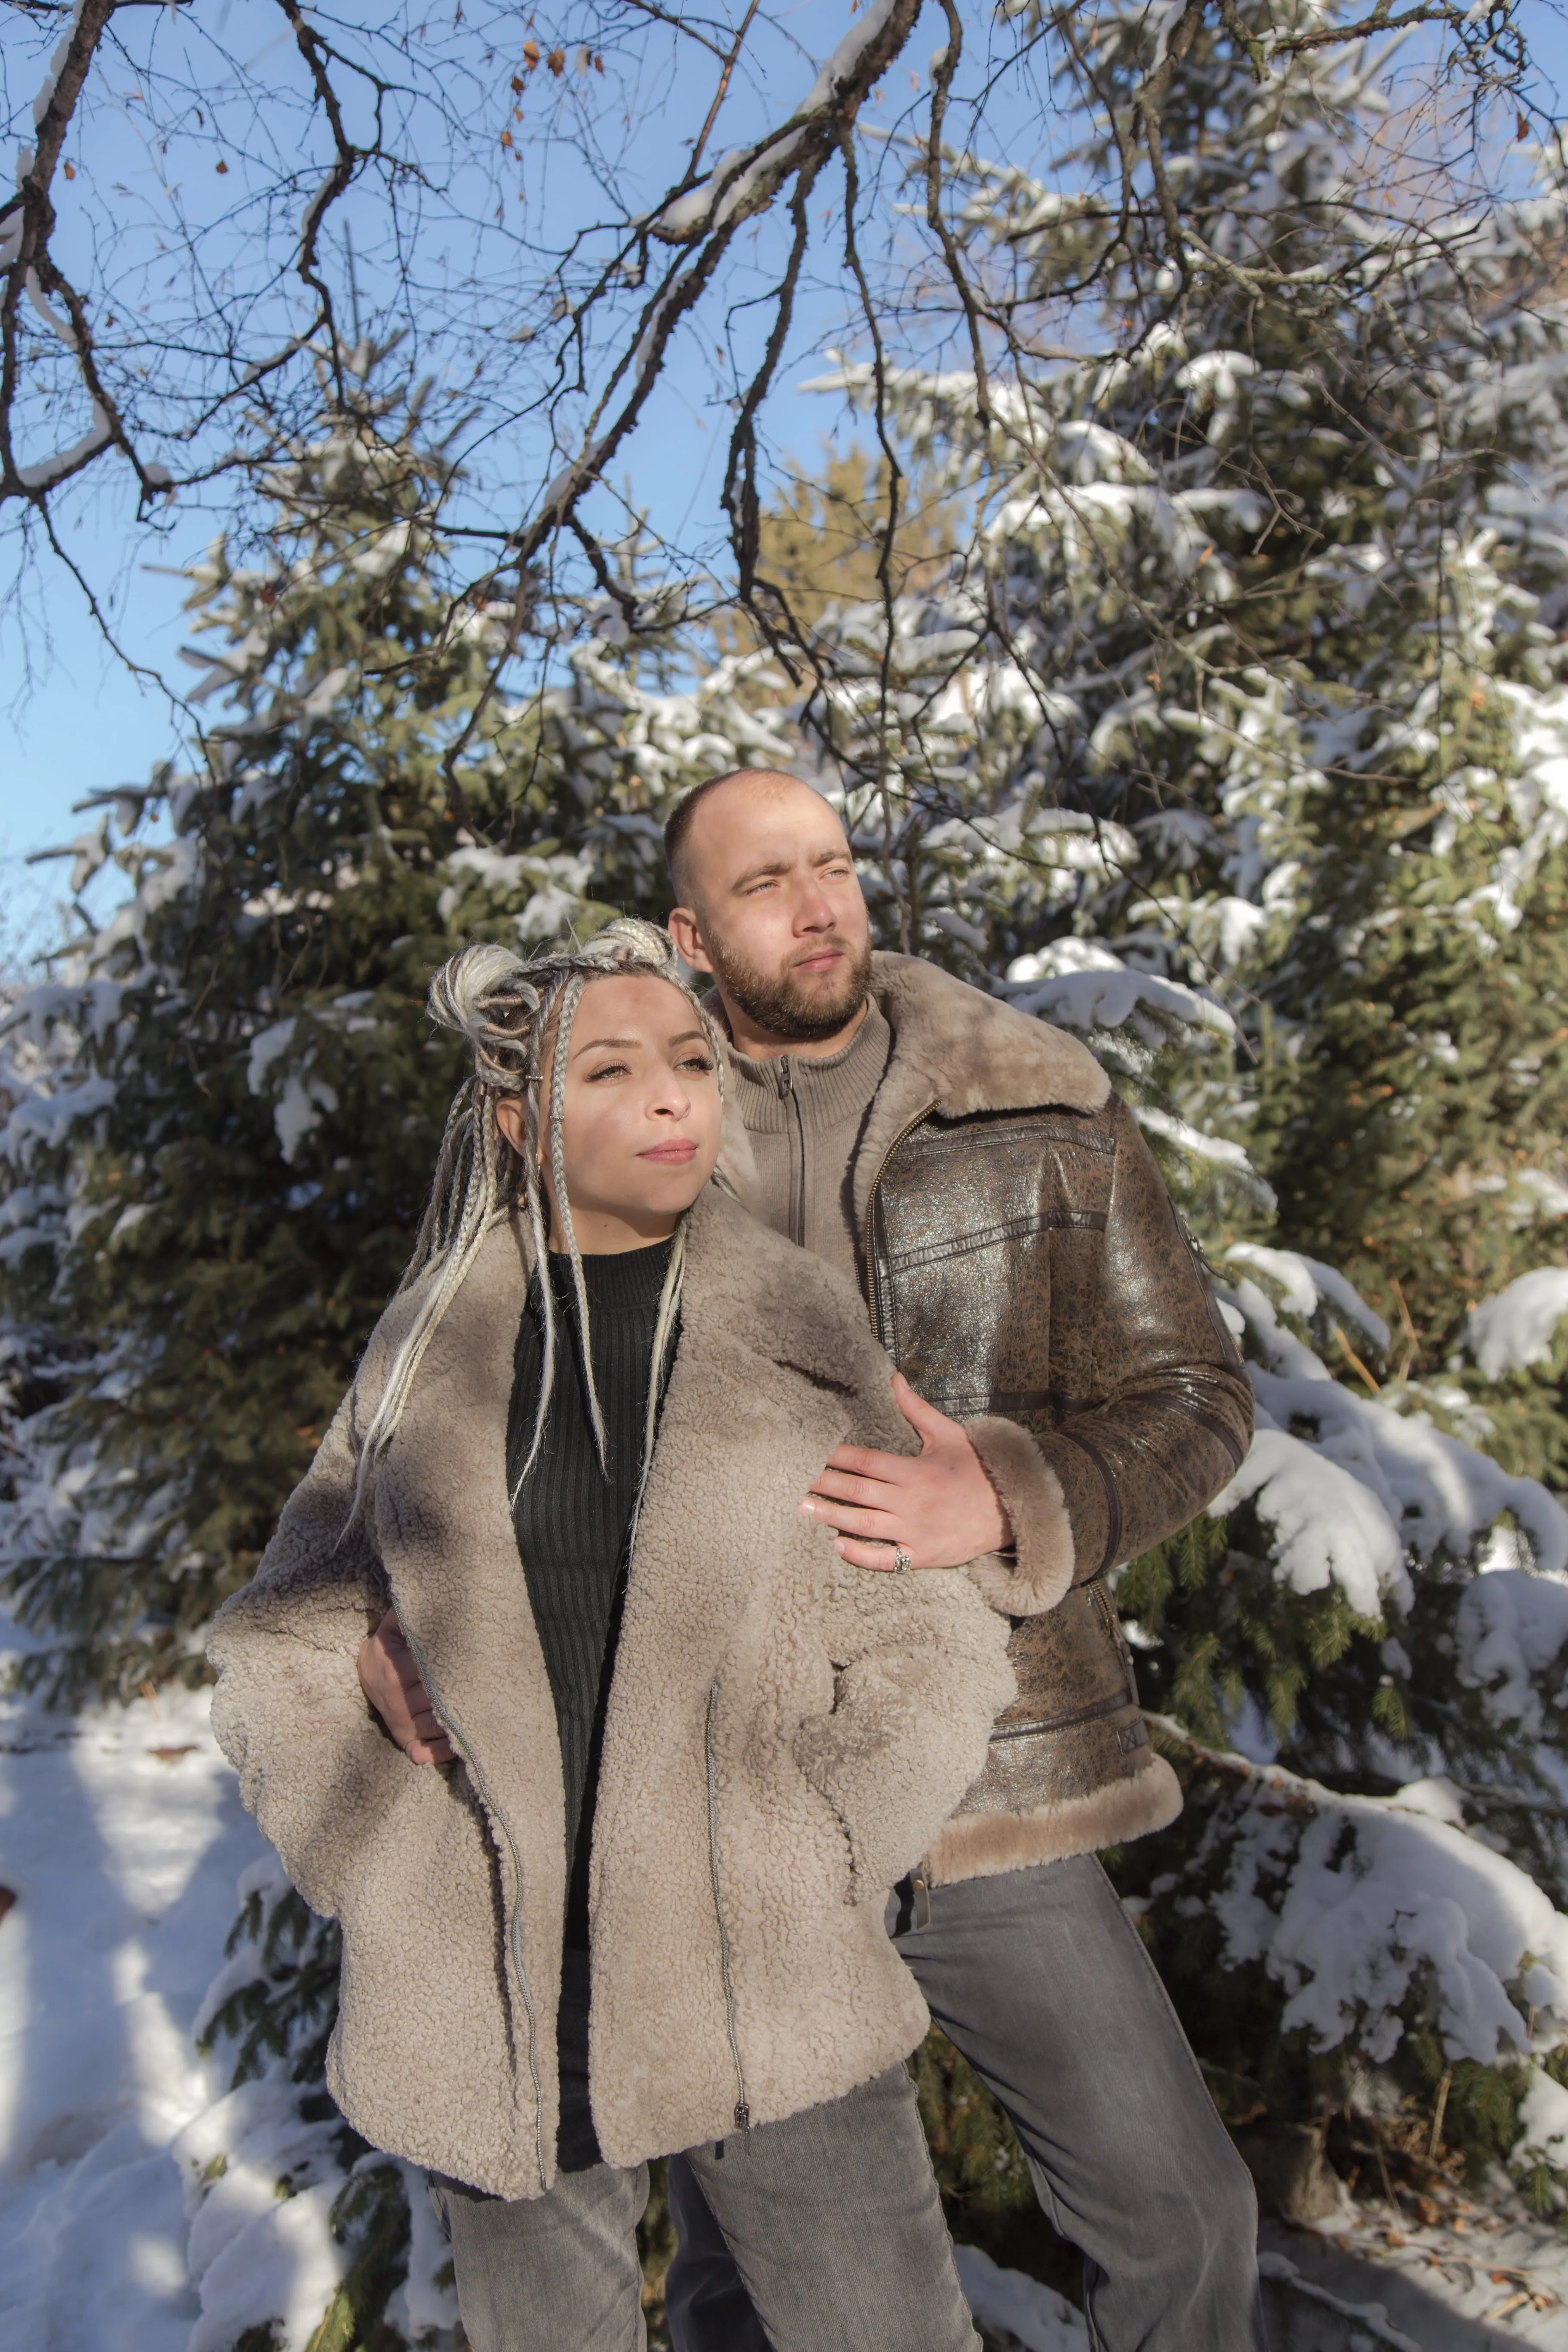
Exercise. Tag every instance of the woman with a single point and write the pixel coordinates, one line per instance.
(621, 1891)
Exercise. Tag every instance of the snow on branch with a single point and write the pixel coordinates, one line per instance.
(1078, 985)
(1217, 1149)
(1383, 1898)
(1510, 1628)
(743, 185)
(48, 472)
(750, 177)
(1519, 1327)
(1354, 1487)
(43, 1119)
(1308, 1283)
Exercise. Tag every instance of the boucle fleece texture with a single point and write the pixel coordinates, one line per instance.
(785, 1737)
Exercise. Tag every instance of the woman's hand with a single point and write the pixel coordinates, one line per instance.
(938, 1505)
(390, 1680)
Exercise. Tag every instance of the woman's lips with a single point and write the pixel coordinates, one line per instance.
(671, 1155)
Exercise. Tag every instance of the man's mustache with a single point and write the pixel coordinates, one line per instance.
(842, 946)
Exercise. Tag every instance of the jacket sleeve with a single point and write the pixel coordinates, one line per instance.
(1170, 1426)
(315, 1765)
(921, 1673)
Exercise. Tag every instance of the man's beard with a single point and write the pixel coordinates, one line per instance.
(781, 1006)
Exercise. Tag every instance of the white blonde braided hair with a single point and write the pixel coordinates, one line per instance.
(506, 1004)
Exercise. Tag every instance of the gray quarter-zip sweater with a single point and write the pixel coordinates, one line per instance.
(804, 1115)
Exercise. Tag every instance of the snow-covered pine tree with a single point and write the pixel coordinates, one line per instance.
(1234, 738)
(222, 1114)
(214, 1180)
(1107, 779)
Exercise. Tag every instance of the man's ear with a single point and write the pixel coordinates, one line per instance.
(686, 931)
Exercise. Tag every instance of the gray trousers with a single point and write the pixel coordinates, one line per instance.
(1043, 1984)
(831, 2219)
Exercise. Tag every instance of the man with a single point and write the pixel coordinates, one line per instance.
(1078, 1398)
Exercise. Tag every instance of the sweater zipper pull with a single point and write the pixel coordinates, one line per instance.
(786, 1075)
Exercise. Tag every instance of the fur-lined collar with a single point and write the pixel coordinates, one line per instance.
(972, 1052)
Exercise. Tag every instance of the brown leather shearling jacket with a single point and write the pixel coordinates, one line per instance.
(1027, 1271)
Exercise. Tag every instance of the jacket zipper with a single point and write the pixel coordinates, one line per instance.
(743, 2107)
(1118, 1639)
(1116, 1704)
(456, 1732)
(797, 1185)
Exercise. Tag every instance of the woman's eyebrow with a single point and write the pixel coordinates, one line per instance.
(594, 1044)
(623, 1044)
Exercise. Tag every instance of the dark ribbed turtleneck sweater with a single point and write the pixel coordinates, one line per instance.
(572, 1519)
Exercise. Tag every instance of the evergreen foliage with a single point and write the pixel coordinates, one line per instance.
(219, 1164)
(1231, 735)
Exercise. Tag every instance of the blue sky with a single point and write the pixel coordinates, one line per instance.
(83, 723)
(73, 719)
(78, 722)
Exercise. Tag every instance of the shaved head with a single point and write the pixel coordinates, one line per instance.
(718, 797)
(770, 905)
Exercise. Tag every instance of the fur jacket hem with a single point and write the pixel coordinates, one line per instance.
(988, 1844)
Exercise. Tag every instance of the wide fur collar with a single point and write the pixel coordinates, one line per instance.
(776, 1302)
(974, 1053)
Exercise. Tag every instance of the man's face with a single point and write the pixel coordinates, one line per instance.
(778, 916)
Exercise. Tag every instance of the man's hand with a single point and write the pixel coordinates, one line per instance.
(938, 1504)
(390, 1680)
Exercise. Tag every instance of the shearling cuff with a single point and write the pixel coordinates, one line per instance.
(1032, 1497)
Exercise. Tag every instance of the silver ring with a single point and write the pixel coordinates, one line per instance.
(902, 1560)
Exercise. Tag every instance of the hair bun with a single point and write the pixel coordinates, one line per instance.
(459, 992)
(491, 994)
(629, 939)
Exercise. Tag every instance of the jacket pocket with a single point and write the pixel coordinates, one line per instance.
(811, 1733)
(742, 2106)
(502, 1830)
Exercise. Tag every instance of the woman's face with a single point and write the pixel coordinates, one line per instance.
(640, 1125)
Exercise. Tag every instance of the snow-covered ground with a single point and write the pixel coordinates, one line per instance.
(121, 1842)
(122, 1838)
(1452, 2271)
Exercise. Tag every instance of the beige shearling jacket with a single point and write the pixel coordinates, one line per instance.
(785, 1736)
